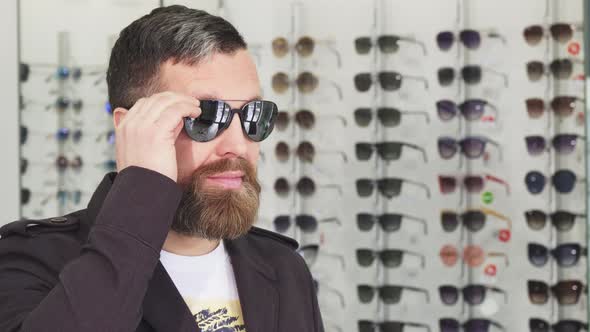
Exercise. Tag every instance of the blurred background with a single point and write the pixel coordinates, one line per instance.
(429, 157)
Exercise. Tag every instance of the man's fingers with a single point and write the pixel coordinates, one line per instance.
(171, 118)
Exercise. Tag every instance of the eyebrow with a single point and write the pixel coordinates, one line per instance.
(207, 96)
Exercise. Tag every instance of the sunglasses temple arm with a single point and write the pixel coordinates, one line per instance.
(415, 41)
(334, 219)
(421, 113)
(419, 184)
(419, 79)
(427, 327)
(416, 147)
(490, 177)
(500, 254)
(338, 257)
(423, 291)
(494, 34)
(338, 89)
(497, 145)
(420, 220)
(334, 186)
(336, 54)
(334, 291)
(495, 72)
(498, 325)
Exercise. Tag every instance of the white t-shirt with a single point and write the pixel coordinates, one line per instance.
(208, 286)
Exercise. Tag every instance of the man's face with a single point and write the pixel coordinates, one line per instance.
(215, 206)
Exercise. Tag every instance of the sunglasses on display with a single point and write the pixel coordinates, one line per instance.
(473, 256)
(471, 75)
(305, 151)
(563, 144)
(74, 196)
(471, 109)
(388, 151)
(560, 32)
(472, 325)
(62, 163)
(60, 73)
(562, 106)
(310, 253)
(561, 69)
(388, 187)
(318, 285)
(566, 325)
(304, 47)
(387, 116)
(563, 221)
(257, 119)
(563, 181)
(472, 183)
(305, 119)
(306, 82)
(389, 222)
(567, 292)
(305, 186)
(388, 326)
(471, 39)
(307, 223)
(389, 80)
(387, 44)
(472, 147)
(472, 294)
(566, 255)
(473, 219)
(389, 294)
(390, 258)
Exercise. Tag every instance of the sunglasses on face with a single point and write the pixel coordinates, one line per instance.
(471, 39)
(305, 119)
(257, 119)
(310, 253)
(389, 222)
(388, 151)
(562, 106)
(388, 326)
(390, 258)
(560, 32)
(567, 292)
(305, 151)
(389, 294)
(566, 255)
(472, 294)
(562, 220)
(306, 83)
(388, 116)
(471, 109)
(388, 187)
(389, 80)
(305, 186)
(561, 69)
(563, 180)
(471, 75)
(472, 183)
(471, 146)
(473, 219)
(307, 223)
(562, 143)
(387, 44)
(566, 325)
(472, 325)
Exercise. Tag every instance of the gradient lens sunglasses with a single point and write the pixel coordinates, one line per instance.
(562, 143)
(565, 325)
(388, 116)
(388, 187)
(472, 325)
(471, 74)
(389, 222)
(560, 32)
(389, 80)
(471, 109)
(473, 219)
(390, 258)
(471, 146)
(566, 255)
(473, 294)
(472, 183)
(561, 69)
(387, 44)
(567, 292)
(388, 151)
(389, 294)
(562, 220)
(562, 106)
(257, 118)
(471, 39)
(307, 223)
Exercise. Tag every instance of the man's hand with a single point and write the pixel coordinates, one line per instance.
(148, 131)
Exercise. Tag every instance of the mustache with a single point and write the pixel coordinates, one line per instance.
(227, 165)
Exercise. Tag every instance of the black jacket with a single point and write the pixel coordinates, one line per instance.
(98, 269)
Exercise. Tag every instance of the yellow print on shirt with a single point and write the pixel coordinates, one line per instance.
(217, 316)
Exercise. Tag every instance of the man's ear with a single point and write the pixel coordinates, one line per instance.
(118, 116)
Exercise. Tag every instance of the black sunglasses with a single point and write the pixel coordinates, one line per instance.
(305, 186)
(389, 294)
(389, 222)
(561, 69)
(390, 258)
(257, 118)
(472, 294)
(472, 325)
(388, 187)
(387, 44)
(389, 80)
(388, 116)
(474, 219)
(566, 325)
(387, 326)
(307, 223)
(471, 74)
(471, 39)
(388, 151)
(562, 220)
(567, 292)
(566, 255)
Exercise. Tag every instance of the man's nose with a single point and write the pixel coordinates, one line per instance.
(232, 140)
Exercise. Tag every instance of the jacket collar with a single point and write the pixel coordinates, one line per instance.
(163, 306)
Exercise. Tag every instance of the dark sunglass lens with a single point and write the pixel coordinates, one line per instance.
(366, 293)
(470, 38)
(538, 325)
(473, 184)
(564, 181)
(364, 187)
(305, 152)
(282, 120)
(535, 182)
(306, 186)
(447, 184)
(471, 74)
(366, 326)
(282, 223)
(365, 221)
(390, 80)
(477, 325)
(213, 119)
(305, 119)
(535, 70)
(363, 151)
(24, 134)
(307, 223)
(389, 117)
(561, 68)
(447, 147)
(536, 219)
(363, 82)
(448, 325)
(282, 151)
(365, 257)
(565, 143)
(535, 107)
(448, 294)
(446, 76)
(445, 40)
(474, 294)
(449, 220)
(388, 44)
(362, 116)
(563, 220)
(533, 34)
(538, 254)
(567, 254)
(474, 220)
(390, 187)
(389, 151)
(473, 109)
(391, 258)
(538, 292)
(535, 145)
(563, 105)
(282, 187)
(446, 109)
(390, 222)
(390, 294)
(561, 32)
(568, 291)
(472, 147)
(362, 45)
(568, 325)
(25, 196)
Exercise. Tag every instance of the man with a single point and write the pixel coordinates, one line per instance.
(167, 243)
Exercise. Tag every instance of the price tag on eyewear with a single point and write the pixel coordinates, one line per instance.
(487, 197)
(504, 235)
(574, 48)
(490, 270)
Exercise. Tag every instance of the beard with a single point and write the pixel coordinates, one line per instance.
(215, 213)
